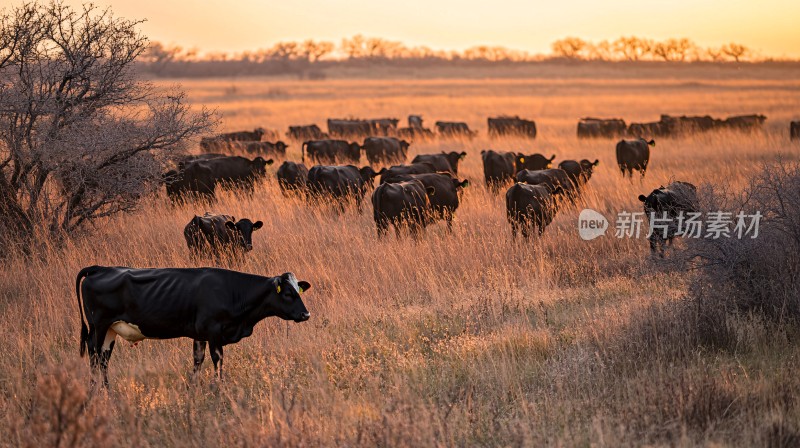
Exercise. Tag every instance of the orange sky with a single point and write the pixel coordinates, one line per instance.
(771, 27)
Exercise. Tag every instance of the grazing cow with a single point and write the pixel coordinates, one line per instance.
(341, 183)
(687, 125)
(500, 167)
(349, 128)
(553, 179)
(653, 129)
(385, 150)
(579, 172)
(277, 149)
(307, 132)
(666, 207)
(794, 130)
(403, 205)
(444, 194)
(601, 128)
(191, 179)
(530, 207)
(209, 305)
(634, 155)
(415, 122)
(454, 129)
(239, 171)
(331, 151)
(745, 122)
(219, 234)
(292, 177)
(514, 126)
(400, 170)
(446, 161)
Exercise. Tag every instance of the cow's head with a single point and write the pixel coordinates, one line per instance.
(653, 201)
(651, 142)
(281, 146)
(404, 146)
(367, 173)
(587, 168)
(288, 304)
(259, 165)
(460, 184)
(243, 231)
(533, 162)
(259, 132)
(453, 157)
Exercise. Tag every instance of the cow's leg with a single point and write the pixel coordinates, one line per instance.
(514, 228)
(199, 354)
(103, 353)
(216, 356)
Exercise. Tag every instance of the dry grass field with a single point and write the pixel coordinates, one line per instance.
(462, 339)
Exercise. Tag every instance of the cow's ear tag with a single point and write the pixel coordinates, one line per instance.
(301, 290)
(279, 289)
(522, 159)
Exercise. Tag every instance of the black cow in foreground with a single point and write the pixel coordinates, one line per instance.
(220, 234)
(454, 129)
(306, 132)
(443, 193)
(446, 161)
(403, 205)
(531, 207)
(341, 183)
(209, 305)
(512, 126)
(331, 151)
(794, 130)
(277, 149)
(385, 150)
(292, 177)
(579, 172)
(400, 170)
(634, 155)
(601, 128)
(554, 179)
(664, 206)
(501, 167)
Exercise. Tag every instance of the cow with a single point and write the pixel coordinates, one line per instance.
(689, 124)
(500, 167)
(513, 126)
(403, 205)
(219, 234)
(331, 151)
(653, 129)
(446, 161)
(634, 155)
(277, 149)
(667, 208)
(349, 128)
(306, 132)
(341, 183)
(601, 128)
(579, 172)
(236, 171)
(530, 207)
(385, 150)
(443, 196)
(221, 141)
(553, 179)
(745, 122)
(292, 177)
(191, 179)
(383, 126)
(454, 129)
(414, 134)
(794, 130)
(400, 170)
(415, 122)
(211, 306)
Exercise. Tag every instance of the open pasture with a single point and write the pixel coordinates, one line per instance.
(462, 339)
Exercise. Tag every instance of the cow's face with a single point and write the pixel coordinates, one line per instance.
(533, 162)
(367, 173)
(243, 229)
(652, 202)
(281, 146)
(289, 305)
(587, 168)
(259, 165)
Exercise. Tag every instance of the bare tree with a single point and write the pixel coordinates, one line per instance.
(632, 48)
(735, 51)
(80, 136)
(569, 48)
(675, 50)
(313, 51)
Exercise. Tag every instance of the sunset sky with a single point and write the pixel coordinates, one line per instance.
(771, 27)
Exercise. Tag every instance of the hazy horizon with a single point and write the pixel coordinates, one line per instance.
(768, 28)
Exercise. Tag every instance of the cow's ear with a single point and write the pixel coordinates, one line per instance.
(380, 173)
(269, 162)
(642, 197)
(462, 155)
(257, 225)
(430, 191)
(652, 143)
(230, 224)
(483, 151)
(596, 162)
(465, 183)
(304, 286)
(553, 157)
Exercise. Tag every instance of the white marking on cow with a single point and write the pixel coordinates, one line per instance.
(109, 338)
(129, 332)
(293, 282)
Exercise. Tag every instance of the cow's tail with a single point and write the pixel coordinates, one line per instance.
(303, 152)
(84, 329)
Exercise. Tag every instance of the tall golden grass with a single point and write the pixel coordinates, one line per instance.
(469, 338)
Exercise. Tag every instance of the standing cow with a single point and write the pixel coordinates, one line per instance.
(601, 128)
(579, 172)
(331, 151)
(209, 305)
(220, 234)
(512, 126)
(446, 161)
(794, 130)
(385, 150)
(530, 207)
(306, 132)
(667, 207)
(634, 155)
(341, 183)
(501, 167)
(277, 149)
(403, 205)
(444, 195)
(454, 129)
(554, 179)
(292, 177)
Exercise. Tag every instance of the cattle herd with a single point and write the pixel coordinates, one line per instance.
(217, 307)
